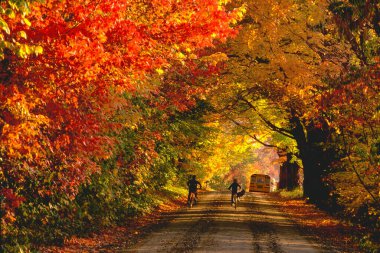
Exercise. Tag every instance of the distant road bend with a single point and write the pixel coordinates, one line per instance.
(214, 226)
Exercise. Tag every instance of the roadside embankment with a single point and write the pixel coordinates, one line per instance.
(337, 234)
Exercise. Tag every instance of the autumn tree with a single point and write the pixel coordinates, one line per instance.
(69, 73)
(276, 65)
(351, 105)
(315, 64)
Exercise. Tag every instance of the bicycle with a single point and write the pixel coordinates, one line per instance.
(234, 187)
(191, 199)
(235, 200)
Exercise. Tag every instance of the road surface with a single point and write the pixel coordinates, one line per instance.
(214, 226)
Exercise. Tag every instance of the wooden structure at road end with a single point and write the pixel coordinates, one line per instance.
(290, 173)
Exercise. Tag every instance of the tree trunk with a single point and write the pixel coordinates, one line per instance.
(314, 159)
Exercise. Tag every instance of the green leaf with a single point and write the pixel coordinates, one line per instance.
(4, 26)
(13, 5)
(10, 13)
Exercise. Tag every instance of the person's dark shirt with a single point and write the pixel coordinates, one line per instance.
(192, 184)
(234, 187)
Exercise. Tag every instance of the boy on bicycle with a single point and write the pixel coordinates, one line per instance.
(192, 185)
(234, 189)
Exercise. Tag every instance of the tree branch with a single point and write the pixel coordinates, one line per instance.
(275, 128)
(254, 136)
(347, 151)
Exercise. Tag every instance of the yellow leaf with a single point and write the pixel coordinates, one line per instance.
(26, 21)
(4, 26)
(38, 50)
(181, 55)
(102, 37)
(22, 34)
(160, 71)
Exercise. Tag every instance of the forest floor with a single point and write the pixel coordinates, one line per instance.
(324, 228)
(329, 232)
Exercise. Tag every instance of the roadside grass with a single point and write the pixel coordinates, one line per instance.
(296, 193)
(163, 200)
(175, 191)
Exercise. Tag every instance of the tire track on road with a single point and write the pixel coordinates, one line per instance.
(193, 235)
(274, 231)
(183, 232)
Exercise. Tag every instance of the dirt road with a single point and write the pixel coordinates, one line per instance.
(214, 226)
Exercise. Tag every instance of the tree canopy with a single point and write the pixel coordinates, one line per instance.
(105, 103)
